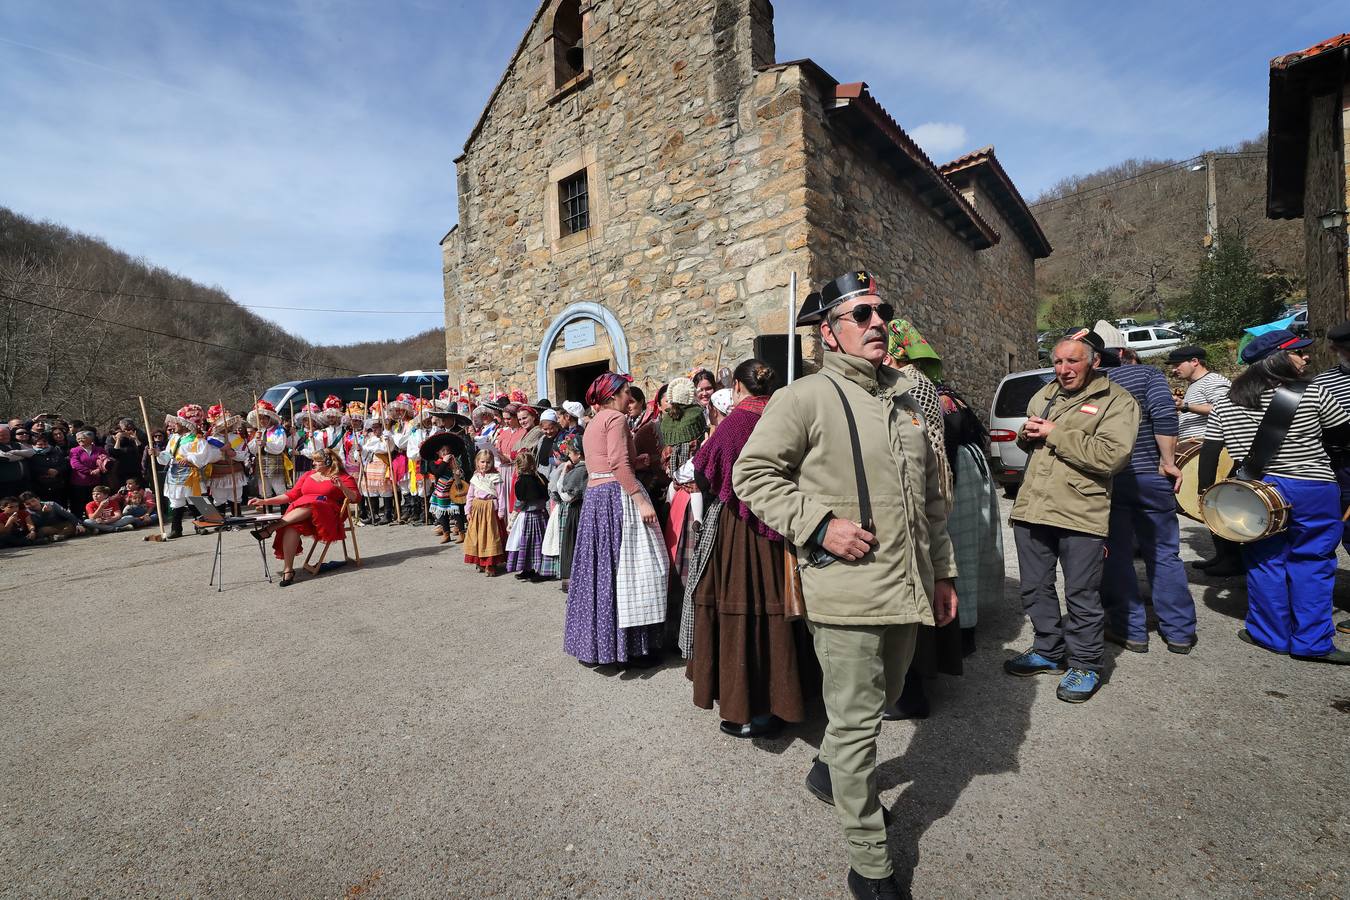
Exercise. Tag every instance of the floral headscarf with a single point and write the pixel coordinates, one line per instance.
(604, 388)
(906, 345)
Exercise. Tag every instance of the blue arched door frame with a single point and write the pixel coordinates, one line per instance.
(618, 343)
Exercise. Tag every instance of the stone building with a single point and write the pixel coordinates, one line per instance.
(1308, 168)
(645, 178)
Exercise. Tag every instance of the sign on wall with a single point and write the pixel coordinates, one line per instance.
(579, 335)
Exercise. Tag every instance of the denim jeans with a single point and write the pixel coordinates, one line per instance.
(1144, 509)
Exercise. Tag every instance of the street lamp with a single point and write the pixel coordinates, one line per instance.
(1332, 219)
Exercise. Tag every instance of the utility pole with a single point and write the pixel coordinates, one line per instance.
(1211, 204)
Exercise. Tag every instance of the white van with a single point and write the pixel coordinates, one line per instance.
(1006, 416)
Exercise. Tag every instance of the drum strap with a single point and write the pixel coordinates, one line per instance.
(1270, 434)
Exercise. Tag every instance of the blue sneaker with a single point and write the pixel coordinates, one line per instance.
(1078, 686)
(1032, 663)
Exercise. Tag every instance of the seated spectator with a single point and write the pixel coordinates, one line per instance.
(49, 470)
(104, 512)
(52, 520)
(16, 528)
(138, 503)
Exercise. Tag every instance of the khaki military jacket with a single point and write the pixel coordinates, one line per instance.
(797, 470)
(1068, 476)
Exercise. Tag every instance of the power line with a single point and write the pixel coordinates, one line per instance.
(176, 337)
(1138, 175)
(111, 292)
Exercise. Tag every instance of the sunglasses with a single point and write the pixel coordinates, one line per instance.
(862, 313)
(1303, 352)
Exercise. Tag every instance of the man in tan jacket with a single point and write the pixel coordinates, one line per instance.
(879, 579)
(1079, 431)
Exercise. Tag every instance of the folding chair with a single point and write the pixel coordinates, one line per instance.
(348, 531)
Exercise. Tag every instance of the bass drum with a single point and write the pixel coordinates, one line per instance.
(1244, 511)
(1188, 461)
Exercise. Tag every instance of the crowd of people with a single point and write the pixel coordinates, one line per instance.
(787, 540)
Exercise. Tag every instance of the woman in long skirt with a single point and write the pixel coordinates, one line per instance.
(616, 598)
(744, 653)
(571, 491)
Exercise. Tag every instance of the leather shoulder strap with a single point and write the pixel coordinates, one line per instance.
(864, 496)
(1274, 427)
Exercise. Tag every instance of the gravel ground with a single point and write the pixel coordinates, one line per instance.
(410, 728)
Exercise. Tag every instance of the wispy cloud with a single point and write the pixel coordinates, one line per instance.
(940, 138)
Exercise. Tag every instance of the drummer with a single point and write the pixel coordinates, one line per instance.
(1203, 389)
(1336, 382)
(1144, 511)
(1290, 575)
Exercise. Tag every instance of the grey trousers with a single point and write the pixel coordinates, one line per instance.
(863, 669)
(1039, 548)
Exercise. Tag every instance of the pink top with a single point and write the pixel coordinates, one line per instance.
(86, 466)
(608, 445)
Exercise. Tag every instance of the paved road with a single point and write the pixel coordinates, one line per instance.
(411, 729)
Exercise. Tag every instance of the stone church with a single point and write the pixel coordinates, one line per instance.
(646, 177)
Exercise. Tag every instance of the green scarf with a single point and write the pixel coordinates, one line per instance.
(905, 344)
(683, 426)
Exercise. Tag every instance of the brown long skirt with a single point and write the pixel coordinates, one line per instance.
(746, 656)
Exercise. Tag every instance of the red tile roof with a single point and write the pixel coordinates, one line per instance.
(1289, 59)
(1295, 78)
(933, 187)
(983, 166)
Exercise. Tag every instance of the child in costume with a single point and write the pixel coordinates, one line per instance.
(484, 543)
(525, 547)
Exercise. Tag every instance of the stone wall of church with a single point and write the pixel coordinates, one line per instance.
(678, 148)
(712, 180)
(975, 307)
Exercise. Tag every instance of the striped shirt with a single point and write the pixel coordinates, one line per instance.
(1302, 454)
(1336, 382)
(1157, 412)
(1206, 390)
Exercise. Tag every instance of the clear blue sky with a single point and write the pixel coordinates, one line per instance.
(300, 153)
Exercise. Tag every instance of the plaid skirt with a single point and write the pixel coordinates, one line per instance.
(529, 556)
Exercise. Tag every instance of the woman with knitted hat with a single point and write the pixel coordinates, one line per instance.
(683, 429)
(616, 598)
(743, 654)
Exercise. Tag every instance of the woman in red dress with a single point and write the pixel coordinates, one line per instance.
(315, 509)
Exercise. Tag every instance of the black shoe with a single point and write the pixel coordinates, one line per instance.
(818, 783)
(536, 578)
(1202, 564)
(1334, 656)
(750, 730)
(523, 575)
(1182, 647)
(1121, 641)
(1246, 638)
(1343, 626)
(1225, 568)
(874, 888)
(287, 579)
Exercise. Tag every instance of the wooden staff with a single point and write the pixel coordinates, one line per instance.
(154, 470)
(393, 480)
(233, 484)
(288, 477)
(361, 458)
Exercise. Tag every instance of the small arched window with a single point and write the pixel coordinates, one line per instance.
(569, 53)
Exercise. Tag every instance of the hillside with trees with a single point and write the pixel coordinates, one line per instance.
(1134, 236)
(85, 328)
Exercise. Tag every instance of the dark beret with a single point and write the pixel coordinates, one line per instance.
(1339, 334)
(1181, 354)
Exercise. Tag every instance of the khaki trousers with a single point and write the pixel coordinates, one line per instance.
(864, 671)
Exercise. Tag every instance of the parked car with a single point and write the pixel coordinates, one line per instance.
(1184, 326)
(1126, 323)
(1153, 340)
(1006, 416)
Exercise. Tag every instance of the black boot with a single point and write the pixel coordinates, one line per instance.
(176, 530)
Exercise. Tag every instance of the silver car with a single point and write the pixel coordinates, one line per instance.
(1005, 420)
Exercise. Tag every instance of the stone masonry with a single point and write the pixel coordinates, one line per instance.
(714, 174)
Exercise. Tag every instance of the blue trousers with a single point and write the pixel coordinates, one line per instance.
(1342, 467)
(1290, 575)
(1143, 508)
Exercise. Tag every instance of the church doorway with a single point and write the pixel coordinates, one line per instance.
(571, 382)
